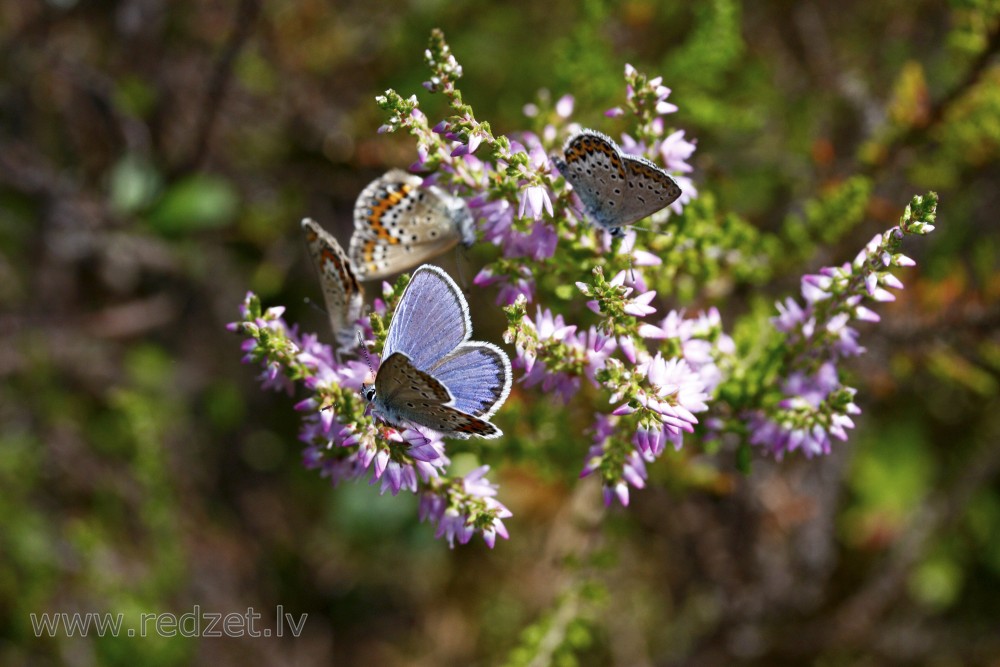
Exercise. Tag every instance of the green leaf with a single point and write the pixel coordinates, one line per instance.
(198, 202)
(133, 184)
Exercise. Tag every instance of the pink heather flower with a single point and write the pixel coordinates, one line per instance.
(634, 471)
(534, 201)
(890, 280)
(663, 107)
(495, 218)
(688, 192)
(812, 292)
(627, 346)
(866, 315)
(790, 316)
(781, 433)
(615, 482)
(453, 525)
(674, 150)
(631, 146)
(591, 348)
(347, 468)
(639, 257)
(538, 244)
(812, 389)
(456, 510)
(871, 282)
(510, 289)
(675, 392)
(619, 490)
(700, 339)
(639, 306)
(564, 107)
(598, 348)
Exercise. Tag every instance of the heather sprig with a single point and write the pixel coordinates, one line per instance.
(580, 309)
(342, 440)
(812, 403)
(519, 200)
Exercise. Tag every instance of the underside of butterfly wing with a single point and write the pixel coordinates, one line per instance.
(406, 395)
(343, 295)
(398, 224)
(649, 189)
(594, 166)
(380, 260)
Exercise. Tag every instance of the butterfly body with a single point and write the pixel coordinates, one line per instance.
(342, 293)
(398, 223)
(431, 373)
(616, 188)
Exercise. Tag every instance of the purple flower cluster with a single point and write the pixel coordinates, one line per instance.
(814, 405)
(657, 400)
(462, 507)
(555, 356)
(344, 443)
(656, 393)
(658, 376)
(648, 100)
(631, 464)
(515, 199)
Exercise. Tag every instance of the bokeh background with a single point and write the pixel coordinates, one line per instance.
(155, 159)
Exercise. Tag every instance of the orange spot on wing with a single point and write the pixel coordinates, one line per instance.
(379, 209)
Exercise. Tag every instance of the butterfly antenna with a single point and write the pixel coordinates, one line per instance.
(461, 253)
(364, 351)
(658, 232)
(312, 304)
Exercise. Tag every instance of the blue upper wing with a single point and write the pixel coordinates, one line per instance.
(431, 319)
(477, 375)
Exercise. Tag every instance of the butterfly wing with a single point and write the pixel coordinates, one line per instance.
(398, 224)
(399, 383)
(432, 375)
(404, 393)
(478, 376)
(594, 166)
(431, 319)
(649, 189)
(342, 293)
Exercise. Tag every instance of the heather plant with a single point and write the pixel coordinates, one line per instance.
(644, 334)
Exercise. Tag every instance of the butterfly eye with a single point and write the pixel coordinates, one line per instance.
(368, 391)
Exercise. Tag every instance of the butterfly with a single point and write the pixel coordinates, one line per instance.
(343, 294)
(431, 373)
(398, 224)
(616, 188)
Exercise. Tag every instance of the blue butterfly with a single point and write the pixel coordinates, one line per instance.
(616, 188)
(431, 373)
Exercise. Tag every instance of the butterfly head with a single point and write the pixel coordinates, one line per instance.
(368, 384)
(368, 387)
